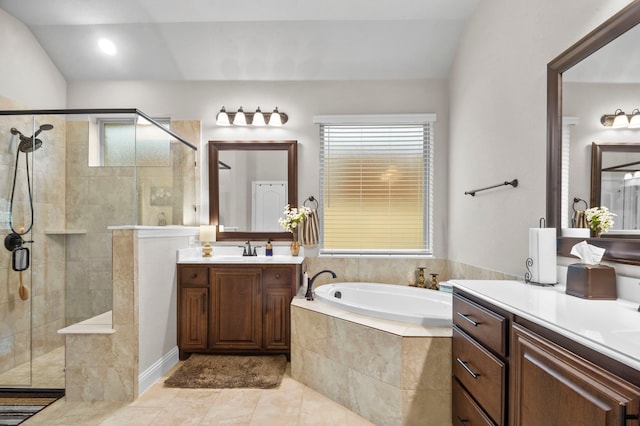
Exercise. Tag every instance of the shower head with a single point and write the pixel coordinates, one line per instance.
(43, 127)
(27, 144)
(30, 144)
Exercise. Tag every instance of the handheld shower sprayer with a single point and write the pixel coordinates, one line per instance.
(14, 241)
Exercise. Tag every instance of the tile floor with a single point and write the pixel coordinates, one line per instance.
(290, 404)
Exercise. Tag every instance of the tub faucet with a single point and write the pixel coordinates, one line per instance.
(309, 294)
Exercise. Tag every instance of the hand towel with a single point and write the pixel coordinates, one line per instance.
(309, 230)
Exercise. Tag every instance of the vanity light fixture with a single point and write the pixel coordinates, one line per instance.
(239, 119)
(276, 118)
(257, 118)
(634, 121)
(207, 236)
(222, 118)
(620, 120)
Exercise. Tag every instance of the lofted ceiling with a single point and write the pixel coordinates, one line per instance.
(249, 40)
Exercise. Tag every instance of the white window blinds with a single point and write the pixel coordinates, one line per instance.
(376, 179)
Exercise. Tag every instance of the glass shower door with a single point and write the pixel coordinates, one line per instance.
(16, 222)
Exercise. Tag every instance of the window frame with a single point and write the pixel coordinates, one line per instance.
(426, 120)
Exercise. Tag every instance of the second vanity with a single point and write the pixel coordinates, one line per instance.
(533, 355)
(235, 304)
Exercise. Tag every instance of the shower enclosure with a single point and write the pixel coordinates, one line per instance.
(67, 177)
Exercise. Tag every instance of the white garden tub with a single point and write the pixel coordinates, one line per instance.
(387, 301)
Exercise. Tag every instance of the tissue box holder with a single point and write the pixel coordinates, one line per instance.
(591, 281)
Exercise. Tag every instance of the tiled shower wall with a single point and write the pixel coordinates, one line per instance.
(99, 197)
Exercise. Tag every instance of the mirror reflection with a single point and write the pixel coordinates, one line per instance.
(607, 80)
(616, 183)
(253, 190)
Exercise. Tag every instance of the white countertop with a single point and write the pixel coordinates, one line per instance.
(611, 327)
(234, 255)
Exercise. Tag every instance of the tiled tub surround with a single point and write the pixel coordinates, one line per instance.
(391, 373)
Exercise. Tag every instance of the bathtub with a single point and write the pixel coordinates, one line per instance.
(391, 302)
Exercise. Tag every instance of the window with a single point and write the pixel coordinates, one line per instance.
(123, 142)
(376, 184)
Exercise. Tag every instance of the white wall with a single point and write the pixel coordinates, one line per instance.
(27, 75)
(498, 132)
(300, 100)
(158, 299)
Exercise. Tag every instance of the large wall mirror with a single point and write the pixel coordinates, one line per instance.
(620, 247)
(250, 188)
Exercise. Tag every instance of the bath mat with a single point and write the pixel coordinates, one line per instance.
(18, 406)
(229, 371)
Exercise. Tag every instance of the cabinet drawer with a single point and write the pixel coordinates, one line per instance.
(194, 276)
(277, 277)
(465, 410)
(481, 373)
(487, 327)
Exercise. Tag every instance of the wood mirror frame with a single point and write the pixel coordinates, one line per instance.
(291, 148)
(597, 149)
(623, 250)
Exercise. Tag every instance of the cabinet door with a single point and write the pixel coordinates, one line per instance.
(235, 321)
(279, 287)
(276, 319)
(552, 386)
(193, 318)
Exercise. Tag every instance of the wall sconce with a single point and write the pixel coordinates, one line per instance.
(257, 118)
(207, 236)
(620, 120)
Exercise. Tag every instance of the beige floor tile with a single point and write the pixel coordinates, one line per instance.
(292, 403)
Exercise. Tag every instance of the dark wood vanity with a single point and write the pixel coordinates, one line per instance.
(510, 370)
(235, 308)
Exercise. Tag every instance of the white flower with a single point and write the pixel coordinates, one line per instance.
(600, 219)
(293, 217)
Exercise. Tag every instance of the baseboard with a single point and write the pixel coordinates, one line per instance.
(157, 370)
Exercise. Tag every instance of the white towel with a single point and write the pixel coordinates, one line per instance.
(309, 230)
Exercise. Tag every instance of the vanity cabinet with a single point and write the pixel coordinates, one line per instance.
(509, 370)
(235, 308)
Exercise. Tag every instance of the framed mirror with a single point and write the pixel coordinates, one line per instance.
(615, 183)
(624, 250)
(250, 188)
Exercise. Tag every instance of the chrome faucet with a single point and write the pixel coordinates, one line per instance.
(248, 251)
(309, 294)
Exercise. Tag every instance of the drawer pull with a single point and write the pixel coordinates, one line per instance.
(194, 275)
(461, 421)
(469, 320)
(470, 371)
(278, 276)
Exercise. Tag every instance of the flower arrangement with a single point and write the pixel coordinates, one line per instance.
(293, 217)
(600, 219)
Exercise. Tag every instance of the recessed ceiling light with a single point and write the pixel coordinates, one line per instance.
(107, 46)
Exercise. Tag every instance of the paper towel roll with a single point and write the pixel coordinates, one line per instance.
(542, 251)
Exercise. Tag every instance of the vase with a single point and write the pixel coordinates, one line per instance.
(295, 248)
